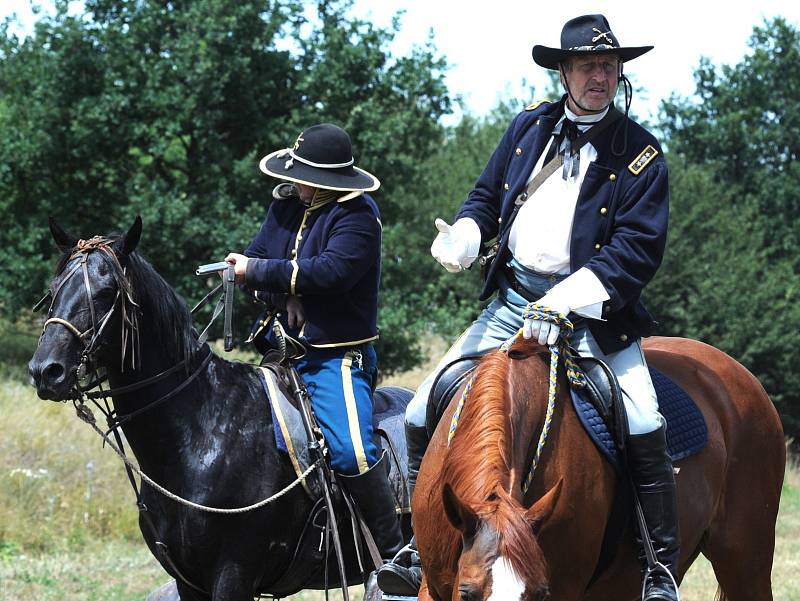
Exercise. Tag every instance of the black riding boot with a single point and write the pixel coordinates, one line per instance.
(651, 468)
(403, 575)
(374, 498)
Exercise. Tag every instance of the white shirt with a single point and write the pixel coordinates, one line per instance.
(542, 231)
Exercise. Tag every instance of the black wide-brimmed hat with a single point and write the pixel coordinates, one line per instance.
(322, 156)
(589, 34)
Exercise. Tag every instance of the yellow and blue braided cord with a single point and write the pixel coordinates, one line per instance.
(574, 375)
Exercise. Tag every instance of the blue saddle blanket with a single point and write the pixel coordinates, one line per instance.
(687, 432)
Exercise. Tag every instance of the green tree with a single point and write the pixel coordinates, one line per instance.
(730, 276)
(743, 122)
(163, 109)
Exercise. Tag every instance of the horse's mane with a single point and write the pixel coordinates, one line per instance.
(478, 465)
(163, 310)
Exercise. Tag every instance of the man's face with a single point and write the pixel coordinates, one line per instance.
(306, 192)
(592, 82)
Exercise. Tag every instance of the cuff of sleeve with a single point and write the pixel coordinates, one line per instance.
(467, 230)
(583, 292)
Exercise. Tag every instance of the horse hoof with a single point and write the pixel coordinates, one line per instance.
(165, 592)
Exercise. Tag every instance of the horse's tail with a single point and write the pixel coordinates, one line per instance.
(720, 596)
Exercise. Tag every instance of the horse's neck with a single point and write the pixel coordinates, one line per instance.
(163, 426)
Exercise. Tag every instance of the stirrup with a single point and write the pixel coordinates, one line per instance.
(405, 550)
(655, 569)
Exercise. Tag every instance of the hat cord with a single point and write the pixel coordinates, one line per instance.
(293, 157)
(628, 87)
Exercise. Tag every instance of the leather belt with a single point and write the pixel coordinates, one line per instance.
(517, 287)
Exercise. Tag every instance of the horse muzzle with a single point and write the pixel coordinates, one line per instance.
(52, 379)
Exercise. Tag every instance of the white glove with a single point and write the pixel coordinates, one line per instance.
(456, 246)
(544, 331)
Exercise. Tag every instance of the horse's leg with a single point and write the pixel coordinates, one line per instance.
(740, 540)
(741, 549)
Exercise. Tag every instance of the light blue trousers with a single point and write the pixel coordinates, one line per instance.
(503, 318)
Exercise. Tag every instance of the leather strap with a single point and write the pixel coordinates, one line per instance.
(230, 287)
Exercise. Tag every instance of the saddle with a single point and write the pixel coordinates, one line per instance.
(450, 379)
(599, 406)
(602, 391)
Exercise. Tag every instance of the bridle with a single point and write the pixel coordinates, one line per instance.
(92, 338)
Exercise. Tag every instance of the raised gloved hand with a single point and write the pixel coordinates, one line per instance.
(456, 246)
(544, 331)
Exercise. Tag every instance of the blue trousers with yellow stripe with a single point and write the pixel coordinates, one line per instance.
(340, 382)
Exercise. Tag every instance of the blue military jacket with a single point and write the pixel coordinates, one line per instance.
(329, 256)
(619, 230)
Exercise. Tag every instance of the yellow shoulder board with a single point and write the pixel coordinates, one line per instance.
(643, 160)
(534, 105)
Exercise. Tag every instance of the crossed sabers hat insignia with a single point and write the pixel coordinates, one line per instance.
(601, 34)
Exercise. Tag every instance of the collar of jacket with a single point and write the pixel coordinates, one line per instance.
(552, 113)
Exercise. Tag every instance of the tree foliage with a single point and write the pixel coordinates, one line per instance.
(163, 109)
(731, 274)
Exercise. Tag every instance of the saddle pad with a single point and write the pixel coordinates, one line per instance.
(287, 424)
(687, 432)
(389, 405)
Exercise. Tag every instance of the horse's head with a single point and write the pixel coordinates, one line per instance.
(500, 556)
(90, 299)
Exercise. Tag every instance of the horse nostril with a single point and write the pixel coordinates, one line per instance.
(52, 373)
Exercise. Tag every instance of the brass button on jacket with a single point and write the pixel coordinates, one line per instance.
(603, 211)
(597, 246)
(624, 337)
(612, 177)
(518, 151)
(505, 186)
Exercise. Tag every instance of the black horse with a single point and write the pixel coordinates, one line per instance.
(203, 430)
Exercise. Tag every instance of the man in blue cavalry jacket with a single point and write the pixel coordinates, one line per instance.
(583, 241)
(316, 262)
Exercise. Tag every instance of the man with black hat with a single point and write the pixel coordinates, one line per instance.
(576, 195)
(316, 262)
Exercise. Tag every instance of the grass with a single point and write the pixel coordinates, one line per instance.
(68, 526)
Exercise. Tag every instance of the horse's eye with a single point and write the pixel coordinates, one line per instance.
(469, 593)
(105, 294)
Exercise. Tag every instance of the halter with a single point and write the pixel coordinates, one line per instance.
(130, 337)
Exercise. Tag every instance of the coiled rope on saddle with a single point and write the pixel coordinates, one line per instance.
(561, 348)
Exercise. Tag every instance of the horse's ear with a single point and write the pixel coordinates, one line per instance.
(64, 240)
(538, 513)
(458, 514)
(127, 243)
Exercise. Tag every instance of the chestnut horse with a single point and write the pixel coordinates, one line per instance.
(481, 538)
